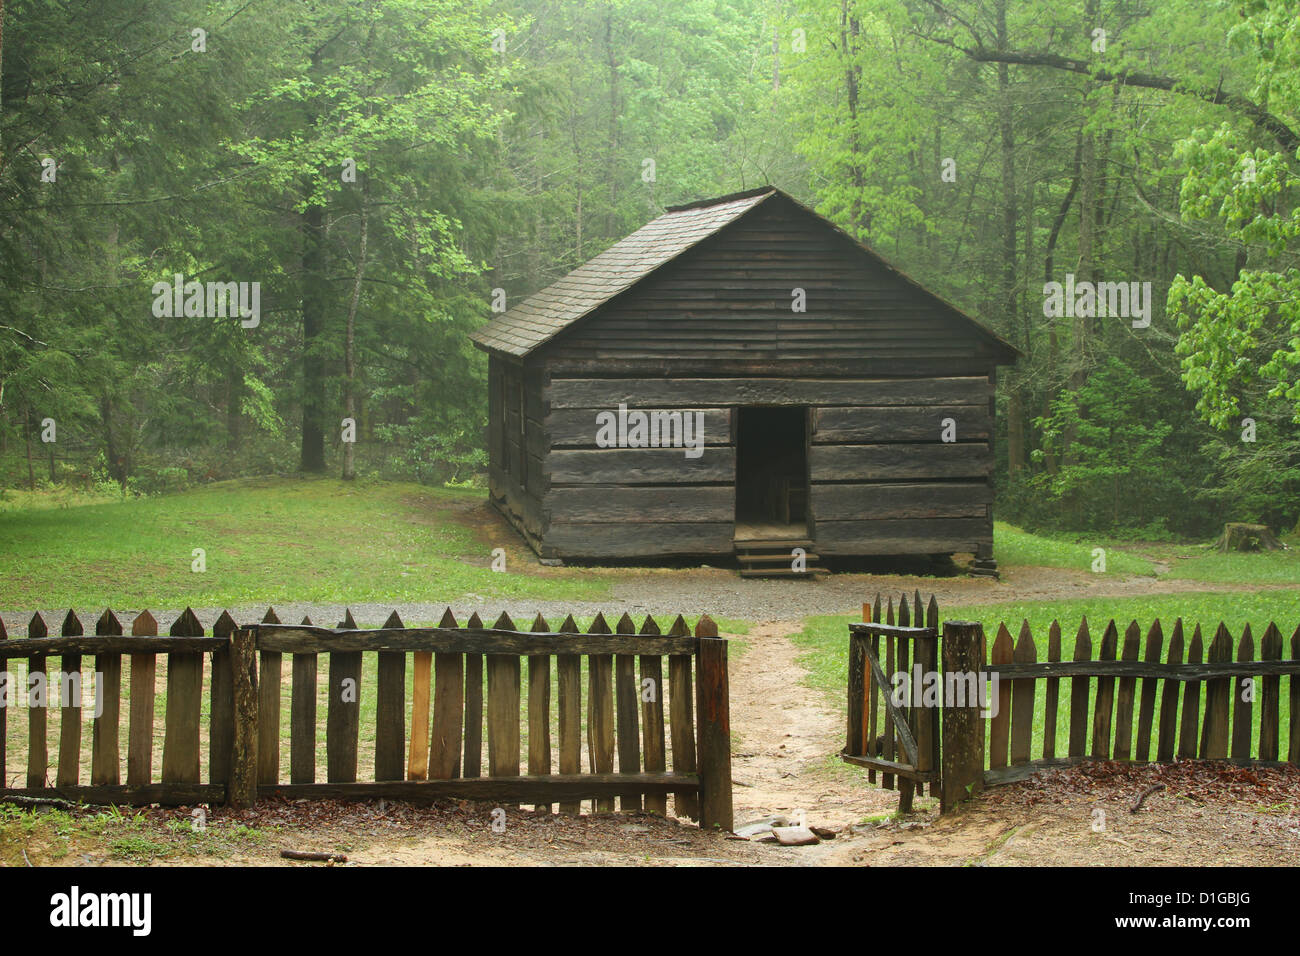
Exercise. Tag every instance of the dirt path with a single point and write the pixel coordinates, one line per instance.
(784, 741)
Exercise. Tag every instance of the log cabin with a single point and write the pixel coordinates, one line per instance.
(741, 377)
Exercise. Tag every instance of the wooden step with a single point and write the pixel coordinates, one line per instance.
(778, 558)
(769, 544)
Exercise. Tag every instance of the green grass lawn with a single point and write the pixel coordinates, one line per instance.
(265, 542)
(1013, 547)
(1267, 567)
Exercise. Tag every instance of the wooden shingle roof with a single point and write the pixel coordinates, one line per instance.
(545, 314)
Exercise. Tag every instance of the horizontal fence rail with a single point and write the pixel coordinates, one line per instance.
(647, 738)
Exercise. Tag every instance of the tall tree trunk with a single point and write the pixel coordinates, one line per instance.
(234, 396)
(1049, 269)
(349, 343)
(313, 322)
(615, 174)
(849, 30)
(116, 461)
(27, 433)
(1007, 135)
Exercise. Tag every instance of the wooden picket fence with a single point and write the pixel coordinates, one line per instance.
(1133, 701)
(1167, 728)
(440, 757)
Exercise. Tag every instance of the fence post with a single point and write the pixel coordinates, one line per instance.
(855, 741)
(962, 749)
(241, 791)
(713, 731)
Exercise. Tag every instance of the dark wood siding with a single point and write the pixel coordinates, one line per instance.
(633, 502)
(517, 443)
(731, 297)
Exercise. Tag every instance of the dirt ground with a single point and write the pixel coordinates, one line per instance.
(784, 740)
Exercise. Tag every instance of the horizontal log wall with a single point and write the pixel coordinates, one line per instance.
(885, 481)
(634, 502)
(607, 393)
(516, 444)
(881, 480)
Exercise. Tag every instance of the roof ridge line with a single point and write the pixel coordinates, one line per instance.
(720, 200)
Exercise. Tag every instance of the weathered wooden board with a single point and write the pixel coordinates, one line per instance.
(473, 763)
(343, 713)
(139, 740)
(1147, 705)
(1270, 697)
(892, 501)
(1079, 690)
(1126, 695)
(1103, 712)
(626, 698)
(448, 711)
(581, 466)
(615, 539)
(578, 427)
(184, 702)
(568, 685)
(302, 719)
(866, 424)
(71, 694)
(539, 712)
(1053, 702)
(9, 689)
(905, 536)
(221, 707)
(105, 762)
(390, 710)
(1218, 700)
(1168, 737)
(600, 711)
(1000, 723)
(503, 697)
(1187, 735)
(681, 720)
(896, 461)
(706, 392)
(1245, 688)
(663, 505)
(1022, 699)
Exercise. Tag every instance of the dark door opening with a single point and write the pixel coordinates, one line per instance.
(772, 471)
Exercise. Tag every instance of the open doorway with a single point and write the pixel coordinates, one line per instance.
(772, 472)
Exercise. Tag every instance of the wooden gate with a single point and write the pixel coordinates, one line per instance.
(890, 729)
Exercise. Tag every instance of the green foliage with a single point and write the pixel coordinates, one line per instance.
(1113, 461)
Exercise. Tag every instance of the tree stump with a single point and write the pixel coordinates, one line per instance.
(1238, 536)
